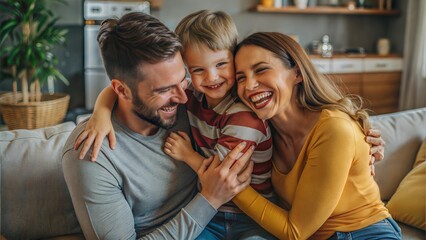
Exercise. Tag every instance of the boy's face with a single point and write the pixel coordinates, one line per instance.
(212, 72)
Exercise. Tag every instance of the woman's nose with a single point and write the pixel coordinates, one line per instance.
(251, 84)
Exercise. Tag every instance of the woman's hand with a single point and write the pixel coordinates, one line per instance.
(377, 150)
(94, 133)
(221, 181)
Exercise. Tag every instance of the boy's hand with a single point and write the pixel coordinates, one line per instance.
(94, 134)
(178, 146)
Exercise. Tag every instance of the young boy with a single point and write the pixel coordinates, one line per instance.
(219, 121)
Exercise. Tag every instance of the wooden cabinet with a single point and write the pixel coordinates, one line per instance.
(376, 79)
(349, 83)
(380, 90)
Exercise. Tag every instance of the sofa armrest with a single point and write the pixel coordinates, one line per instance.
(403, 132)
(35, 202)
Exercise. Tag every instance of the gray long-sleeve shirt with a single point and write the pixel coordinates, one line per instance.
(135, 190)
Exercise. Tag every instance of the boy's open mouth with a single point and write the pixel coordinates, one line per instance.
(214, 86)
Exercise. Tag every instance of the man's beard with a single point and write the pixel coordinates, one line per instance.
(150, 115)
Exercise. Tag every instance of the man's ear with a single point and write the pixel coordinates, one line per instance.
(121, 89)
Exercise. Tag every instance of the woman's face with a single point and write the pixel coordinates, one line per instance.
(264, 83)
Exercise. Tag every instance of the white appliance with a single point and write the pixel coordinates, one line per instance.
(95, 77)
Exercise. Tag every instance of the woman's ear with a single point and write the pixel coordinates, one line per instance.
(299, 77)
(121, 89)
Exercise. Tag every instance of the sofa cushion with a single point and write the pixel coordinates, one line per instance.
(35, 202)
(403, 133)
(408, 204)
(411, 233)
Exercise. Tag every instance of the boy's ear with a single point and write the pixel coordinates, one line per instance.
(121, 89)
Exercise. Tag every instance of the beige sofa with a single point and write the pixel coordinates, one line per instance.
(35, 203)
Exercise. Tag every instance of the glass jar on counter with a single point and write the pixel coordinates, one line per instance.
(325, 49)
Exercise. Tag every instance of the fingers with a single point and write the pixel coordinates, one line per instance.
(204, 166)
(245, 176)
(215, 162)
(171, 141)
(372, 160)
(233, 155)
(184, 136)
(377, 152)
(379, 155)
(374, 133)
(111, 139)
(242, 161)
(96, 148)
(80, 139)
(375, 141)
(168, 148)
(86, 146)
(373, 172)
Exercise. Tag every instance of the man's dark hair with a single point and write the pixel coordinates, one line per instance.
(134, 39)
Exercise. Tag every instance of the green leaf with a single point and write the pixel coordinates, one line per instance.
(6, 30)
(61, 77)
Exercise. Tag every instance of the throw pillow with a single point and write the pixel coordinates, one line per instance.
(421, 154)
(408, 204)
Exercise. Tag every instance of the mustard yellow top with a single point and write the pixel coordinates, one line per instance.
(329, 188)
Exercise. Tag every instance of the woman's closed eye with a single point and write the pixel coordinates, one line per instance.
(261, 70)
(240, 78)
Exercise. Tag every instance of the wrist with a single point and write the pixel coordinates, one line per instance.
(211, 200)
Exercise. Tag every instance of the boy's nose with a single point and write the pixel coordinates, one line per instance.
(212, 76)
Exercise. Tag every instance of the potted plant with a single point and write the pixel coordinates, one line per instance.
(28, 34)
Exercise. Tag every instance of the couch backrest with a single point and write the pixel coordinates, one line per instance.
(35, 202)
(403, 132)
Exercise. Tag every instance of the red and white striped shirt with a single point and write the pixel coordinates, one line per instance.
(220, 129)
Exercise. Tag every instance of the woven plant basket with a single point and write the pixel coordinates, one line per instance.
(49, 111)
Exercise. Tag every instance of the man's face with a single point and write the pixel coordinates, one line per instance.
(157, 97)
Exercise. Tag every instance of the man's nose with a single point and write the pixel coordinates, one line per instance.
(180, 95)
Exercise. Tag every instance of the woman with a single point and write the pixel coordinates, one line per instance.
(321, 172)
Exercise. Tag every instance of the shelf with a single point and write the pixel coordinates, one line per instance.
(324, 10)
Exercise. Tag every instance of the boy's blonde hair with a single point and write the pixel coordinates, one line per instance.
(214, 29)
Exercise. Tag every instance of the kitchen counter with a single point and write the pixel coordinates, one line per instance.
(354, 55)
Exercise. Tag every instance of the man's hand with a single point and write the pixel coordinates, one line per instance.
(221, 181)
(377, 150)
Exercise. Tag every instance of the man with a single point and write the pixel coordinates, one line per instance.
(136, 191)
